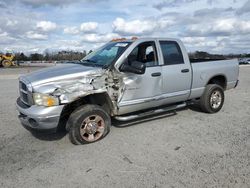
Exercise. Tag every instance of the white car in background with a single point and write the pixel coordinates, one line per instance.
(244, 61)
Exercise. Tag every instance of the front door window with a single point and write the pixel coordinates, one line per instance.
(145, 53)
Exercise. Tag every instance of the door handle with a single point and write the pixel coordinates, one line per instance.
(155, 74)
(185, 70)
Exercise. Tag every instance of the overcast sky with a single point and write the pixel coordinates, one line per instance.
(216, 26)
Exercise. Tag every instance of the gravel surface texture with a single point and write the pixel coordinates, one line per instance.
(189, 149)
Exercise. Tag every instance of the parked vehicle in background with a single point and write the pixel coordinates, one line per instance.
(6, 60)
(244, 61)
(123, 80)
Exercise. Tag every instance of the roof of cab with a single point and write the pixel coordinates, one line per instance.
(133, 39)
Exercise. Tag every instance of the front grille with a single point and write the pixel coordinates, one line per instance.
(23, 86)
(25, 94)
(24, 97)
(21, 104)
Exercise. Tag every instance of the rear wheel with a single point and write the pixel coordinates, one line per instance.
(88, 124)
(212, 99)
(6, 63)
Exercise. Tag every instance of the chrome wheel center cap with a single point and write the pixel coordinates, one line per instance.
(215, 100)
(91, 127)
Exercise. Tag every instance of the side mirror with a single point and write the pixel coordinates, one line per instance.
(135, 67)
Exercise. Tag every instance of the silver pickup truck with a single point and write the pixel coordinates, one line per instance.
(123, 80)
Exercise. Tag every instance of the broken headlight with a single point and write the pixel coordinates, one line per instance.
(41, 99)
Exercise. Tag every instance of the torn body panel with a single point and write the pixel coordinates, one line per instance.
(101, 81)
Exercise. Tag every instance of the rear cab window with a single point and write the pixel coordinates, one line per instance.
(171, 52)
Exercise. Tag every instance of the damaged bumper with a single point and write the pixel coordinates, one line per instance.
(39, 118)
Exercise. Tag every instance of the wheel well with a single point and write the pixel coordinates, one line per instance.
(220, 80)
(101, 99)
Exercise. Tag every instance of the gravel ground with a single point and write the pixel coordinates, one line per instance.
(190, 149)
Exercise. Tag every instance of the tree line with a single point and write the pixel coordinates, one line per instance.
(51, 56)
(74, 55)
(206, 55)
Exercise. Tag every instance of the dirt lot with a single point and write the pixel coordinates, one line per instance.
(190, 149)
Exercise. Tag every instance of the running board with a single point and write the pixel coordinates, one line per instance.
(151, 112)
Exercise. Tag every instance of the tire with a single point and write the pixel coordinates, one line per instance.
(212, 99)
(88, 124)
(6, 63)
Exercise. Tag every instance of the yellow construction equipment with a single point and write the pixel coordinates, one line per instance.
(7, 60)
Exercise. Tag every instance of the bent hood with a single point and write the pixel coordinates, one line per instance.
(62, 72)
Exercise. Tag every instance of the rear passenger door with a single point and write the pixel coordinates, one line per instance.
(176, 72)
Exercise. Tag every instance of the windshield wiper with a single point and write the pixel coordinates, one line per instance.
(89, 60)
(105, 66)
(93, 63)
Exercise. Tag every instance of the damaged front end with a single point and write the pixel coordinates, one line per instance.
(65, 92)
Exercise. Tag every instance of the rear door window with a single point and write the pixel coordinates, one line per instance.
(171, 52)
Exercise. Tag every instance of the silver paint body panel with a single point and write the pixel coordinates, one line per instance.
(135, 92)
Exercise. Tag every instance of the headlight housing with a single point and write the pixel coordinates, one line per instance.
(41, 99)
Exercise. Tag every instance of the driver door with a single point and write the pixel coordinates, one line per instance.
(140, 91)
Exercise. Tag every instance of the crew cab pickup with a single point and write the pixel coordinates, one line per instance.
(123, 80)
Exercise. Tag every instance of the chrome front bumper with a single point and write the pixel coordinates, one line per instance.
(39, 118)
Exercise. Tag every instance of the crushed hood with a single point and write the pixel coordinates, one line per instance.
(62, 72)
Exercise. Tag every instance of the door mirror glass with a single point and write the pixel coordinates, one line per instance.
(133, 67)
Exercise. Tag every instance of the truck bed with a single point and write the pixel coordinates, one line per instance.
(203, 60)
(204, 71)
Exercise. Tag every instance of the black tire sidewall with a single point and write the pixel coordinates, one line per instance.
(80, 114)
(205, 99)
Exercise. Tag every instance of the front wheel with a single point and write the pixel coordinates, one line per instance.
(212, 99)
(88, 124)
(6, 63)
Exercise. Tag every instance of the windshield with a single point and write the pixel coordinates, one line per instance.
(106, 55)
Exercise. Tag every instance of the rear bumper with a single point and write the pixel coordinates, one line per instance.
(233, 84)
(39, 118)
(237, 82)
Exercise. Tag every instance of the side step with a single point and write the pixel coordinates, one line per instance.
(150, 112)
